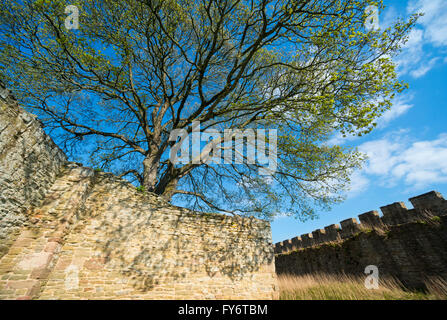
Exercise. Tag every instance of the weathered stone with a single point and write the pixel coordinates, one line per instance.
(29, 164)
(68, 232)
(35, 261)
(408, 244)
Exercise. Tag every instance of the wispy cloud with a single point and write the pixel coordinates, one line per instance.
(425, 67)
(400, 106)
(418, 57)
(423, 163)
(338, 139)
(359, 184)
(434, 20)
(396, 160)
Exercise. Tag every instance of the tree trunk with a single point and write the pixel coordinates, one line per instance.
(167, 186)
(150, 172)
(169, 190)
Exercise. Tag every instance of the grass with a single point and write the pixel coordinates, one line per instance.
(329, 287)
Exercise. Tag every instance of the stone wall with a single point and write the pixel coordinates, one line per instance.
(408, 244)
(94, 236)
(29, 164)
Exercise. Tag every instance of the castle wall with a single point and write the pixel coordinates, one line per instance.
(94, 236)
(135, 246)
(408, 244)
(29, 164)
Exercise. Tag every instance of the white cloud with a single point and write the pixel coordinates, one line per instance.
(416, 58)
(389, 18)
(434, 20)
(424, 162)
(412, 52)
(400, 106)
(381, 156)
(424, 68)
(394, 160)
(359, 184)
(338, 139)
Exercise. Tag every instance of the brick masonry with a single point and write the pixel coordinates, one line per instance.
(69, 232)
(408, 244)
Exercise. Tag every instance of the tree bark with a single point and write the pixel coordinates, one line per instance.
(169, 189)
(150, 172)
(167, 184)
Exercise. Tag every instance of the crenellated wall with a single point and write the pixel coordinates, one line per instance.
(393, 214)
(409, 244)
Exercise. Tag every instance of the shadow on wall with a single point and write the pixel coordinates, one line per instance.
(153, 242)
(29, 163)
(99, 227)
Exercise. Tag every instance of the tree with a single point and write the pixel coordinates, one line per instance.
(135, 71)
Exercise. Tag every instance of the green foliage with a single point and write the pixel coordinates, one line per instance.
(334, 244)
(387, 233)
(134, 71)
(141, 189)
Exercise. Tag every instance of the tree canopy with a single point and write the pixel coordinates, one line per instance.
(135, 71)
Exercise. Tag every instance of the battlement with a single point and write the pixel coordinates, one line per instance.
(394, 214)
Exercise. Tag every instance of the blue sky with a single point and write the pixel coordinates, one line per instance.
(408, 151)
